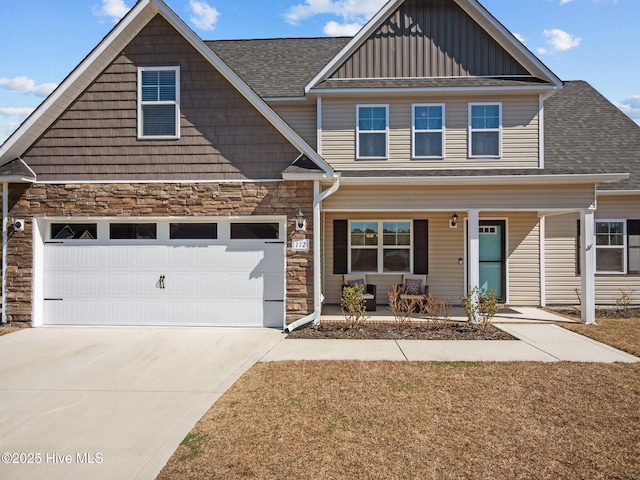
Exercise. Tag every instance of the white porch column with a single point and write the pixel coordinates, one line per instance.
(474, 249)
(588, 265)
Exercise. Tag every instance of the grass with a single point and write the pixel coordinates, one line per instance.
(401, 420)
(621, 333)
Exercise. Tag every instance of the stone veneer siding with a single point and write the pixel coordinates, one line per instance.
(158, 200)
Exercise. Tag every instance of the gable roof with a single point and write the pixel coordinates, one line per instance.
(513, 48)
(101, 56)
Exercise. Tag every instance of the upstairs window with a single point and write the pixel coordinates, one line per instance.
(428, 131)
(372, 131)
(485, 130)
(159, 102)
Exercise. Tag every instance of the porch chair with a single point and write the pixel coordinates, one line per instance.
(369, 289)
(415, 288)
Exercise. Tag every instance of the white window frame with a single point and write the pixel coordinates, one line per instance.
(381, 246)
(385, 131)
(176, 103)
(484, 130)
(415, 130)
(623, 246)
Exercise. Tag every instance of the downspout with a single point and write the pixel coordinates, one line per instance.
(317, 272)
(5, 224)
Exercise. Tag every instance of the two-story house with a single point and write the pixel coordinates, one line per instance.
(173, 181)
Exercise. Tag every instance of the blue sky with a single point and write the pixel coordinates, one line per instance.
(41, 41)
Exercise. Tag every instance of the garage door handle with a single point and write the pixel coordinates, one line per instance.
(273, 301)
(160, 283)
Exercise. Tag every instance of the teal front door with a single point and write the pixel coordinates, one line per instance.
(492, 257)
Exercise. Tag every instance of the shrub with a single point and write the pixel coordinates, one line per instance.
(402, 308)
(353, 304)
(436, 309)
(480, 306)
(624, 300)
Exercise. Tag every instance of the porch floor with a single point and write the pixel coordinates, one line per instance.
(457, 314)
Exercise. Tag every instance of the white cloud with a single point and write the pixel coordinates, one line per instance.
(352, 12)
(520, 37)
(563, 2)
(10, 119)
(630, 106)
(204, 15)
(23, 112)
(335, 29)
(559, 41)
(27, 85)
(114, 9)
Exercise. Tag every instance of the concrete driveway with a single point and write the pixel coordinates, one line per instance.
(112, 403)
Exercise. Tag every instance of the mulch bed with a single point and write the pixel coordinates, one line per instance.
(387, 331)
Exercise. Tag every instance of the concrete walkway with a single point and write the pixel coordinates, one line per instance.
(536, 342)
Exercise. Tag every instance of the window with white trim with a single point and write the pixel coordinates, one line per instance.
(485, 130)
(373, 252)
(159, 102)
(428, 131)
(611, 246)
(372, 131)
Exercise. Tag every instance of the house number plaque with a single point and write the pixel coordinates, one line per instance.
(300, 245)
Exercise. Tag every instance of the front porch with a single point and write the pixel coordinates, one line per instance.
(333, 313)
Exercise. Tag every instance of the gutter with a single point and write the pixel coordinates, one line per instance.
(317, 271)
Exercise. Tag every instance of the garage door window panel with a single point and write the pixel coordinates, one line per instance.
(193, 231)
(255, 231)
(133, 231)
(74, 231)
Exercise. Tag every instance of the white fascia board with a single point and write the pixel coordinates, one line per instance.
(473, 8)
(241, 86)
(16, 179)
(306, 176)
(616, 193)
(355, 42)
(432, 90)
(493, 180)
(143, 182)
(55, 104)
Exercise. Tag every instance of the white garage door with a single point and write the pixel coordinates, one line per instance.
(234, 281)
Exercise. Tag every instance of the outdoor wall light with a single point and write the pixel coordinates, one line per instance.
(301, 222)
(453, 222)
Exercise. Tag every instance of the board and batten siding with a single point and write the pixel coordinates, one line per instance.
(562, 278)
(446, 248)
(460, 197)
(429, 39)
(520, 133)
(302, 119)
